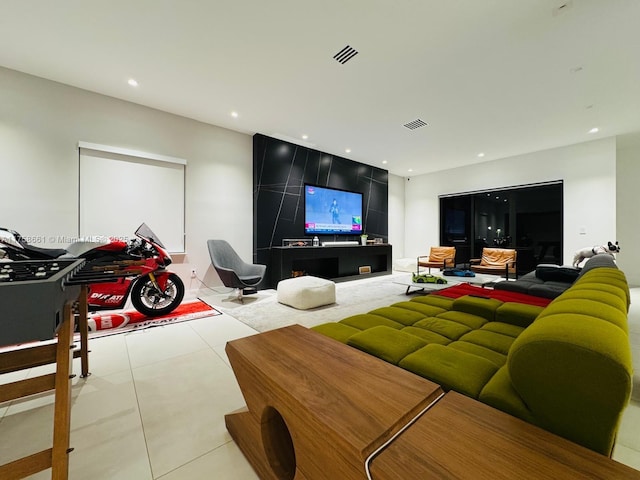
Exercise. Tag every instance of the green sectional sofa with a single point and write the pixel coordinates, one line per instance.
(565, 367)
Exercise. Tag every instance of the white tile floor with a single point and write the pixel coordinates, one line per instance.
(154, 407)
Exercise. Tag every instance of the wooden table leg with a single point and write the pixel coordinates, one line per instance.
(83, 327)
(62, 408)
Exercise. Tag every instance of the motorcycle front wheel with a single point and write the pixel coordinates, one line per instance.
(150, 301)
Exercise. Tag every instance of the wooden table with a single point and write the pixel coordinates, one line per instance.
(316, 408)
(460, 438)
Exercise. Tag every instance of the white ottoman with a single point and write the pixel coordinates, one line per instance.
(405, 265)
(306, 292)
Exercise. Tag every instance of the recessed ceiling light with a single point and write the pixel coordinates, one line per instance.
(384, 162)
(594, 130)
(480, 155)
(234, 114)
(133, 82)
(348, 150)
(304, 137)
(411, 169)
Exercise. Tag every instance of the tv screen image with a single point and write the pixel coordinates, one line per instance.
(329, 211)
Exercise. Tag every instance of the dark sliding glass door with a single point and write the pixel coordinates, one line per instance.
(527, 218)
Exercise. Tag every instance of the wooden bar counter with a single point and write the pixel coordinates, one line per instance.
(460, 438)
(316, 408)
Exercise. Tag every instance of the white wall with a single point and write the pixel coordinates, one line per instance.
(628, 202)
(41, 123)
(396, 215)
(587, 169)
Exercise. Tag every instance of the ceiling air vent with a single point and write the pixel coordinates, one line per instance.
(415, 124)
(346, 54)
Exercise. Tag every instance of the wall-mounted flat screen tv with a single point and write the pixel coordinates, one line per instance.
(329, 211)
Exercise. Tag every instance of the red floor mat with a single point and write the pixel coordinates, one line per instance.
(502, 295)
(119, 321)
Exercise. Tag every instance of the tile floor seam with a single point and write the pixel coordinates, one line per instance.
(135, 391)
(7, 405)
(198, 294)
(224, 360)
(213, 347)
(111, 372)
(146, 365)
(193, 460)
(637, 450)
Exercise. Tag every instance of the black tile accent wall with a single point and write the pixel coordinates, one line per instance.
(280, 170)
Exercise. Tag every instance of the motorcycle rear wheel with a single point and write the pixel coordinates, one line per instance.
(146, 298)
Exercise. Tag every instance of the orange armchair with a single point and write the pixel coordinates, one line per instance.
(439, 257)
(495, 261)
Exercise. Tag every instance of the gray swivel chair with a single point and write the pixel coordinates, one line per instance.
(234, 272)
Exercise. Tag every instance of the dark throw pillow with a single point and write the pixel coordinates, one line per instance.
(557, 273)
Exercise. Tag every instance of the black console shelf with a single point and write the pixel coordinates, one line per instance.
(340, 262)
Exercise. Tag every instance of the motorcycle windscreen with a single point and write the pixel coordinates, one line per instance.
(145, 232)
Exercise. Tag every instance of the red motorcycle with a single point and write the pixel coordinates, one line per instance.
(141, 265)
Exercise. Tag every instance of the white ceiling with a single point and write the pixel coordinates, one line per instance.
(503, 77)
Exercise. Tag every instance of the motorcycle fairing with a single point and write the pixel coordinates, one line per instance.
(109, 295)
(114, 295)
(162, 277)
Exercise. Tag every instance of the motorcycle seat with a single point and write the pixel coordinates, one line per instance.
(45, 252)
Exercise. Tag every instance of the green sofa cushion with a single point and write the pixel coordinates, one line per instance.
(471, 321)
(491, 340)
(446, 328)
(400, 315)
(503, 328)
(480, 306)
(608, 276)
(495, 357)
(499, 393)
(363, 321)
(337, 331)
(517, 313)
(613, 277)
(604, 287)
(445, 303)
(579, 377)
(452, 369)
(426, 335)
(424, 309)
(603, 272)
(598, 295)
(386, 343)
(584, 307)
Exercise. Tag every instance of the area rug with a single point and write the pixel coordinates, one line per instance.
(262, 312)
(461, 289)
(112, 322)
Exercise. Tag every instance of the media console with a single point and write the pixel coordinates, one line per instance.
(338, 262)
